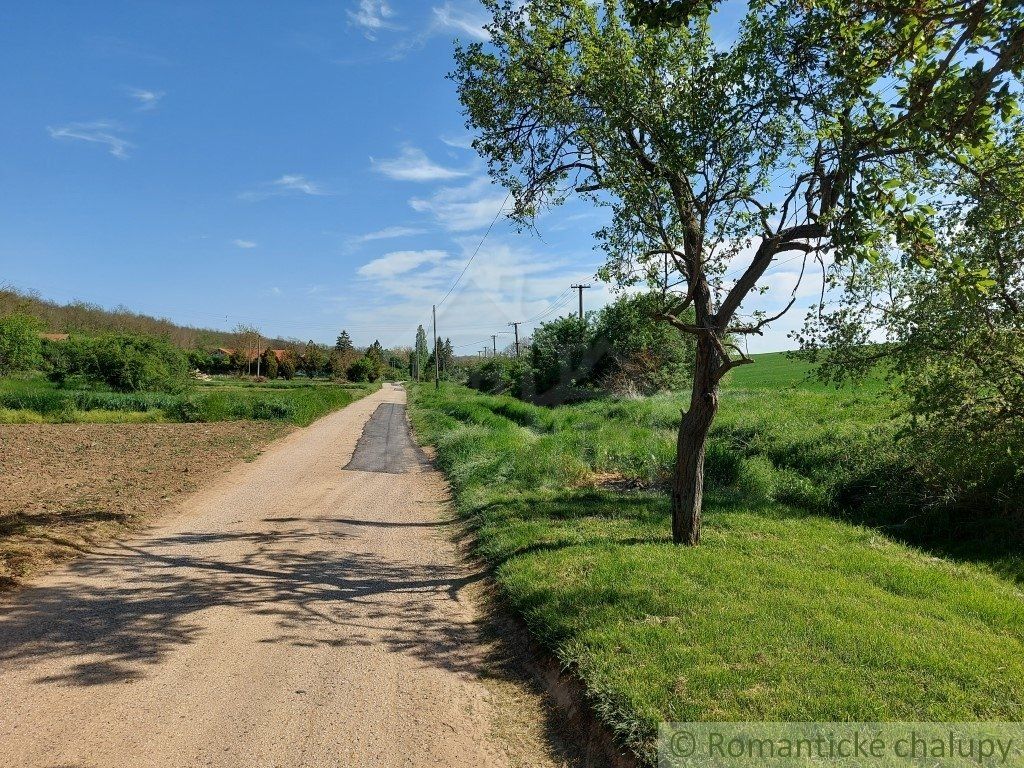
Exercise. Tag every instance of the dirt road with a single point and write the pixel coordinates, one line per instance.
(309, 610)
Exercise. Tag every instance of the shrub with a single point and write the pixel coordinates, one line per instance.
(270, 364)
(504, 375)
(640, 353)
(286, 368)
(124, 362)
(563, 352)
(336, 366)
(314, 359)
(363, 369)
(129, 363)
(200, 360)
(20, 346)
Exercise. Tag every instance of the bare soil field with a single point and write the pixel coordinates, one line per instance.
(68, 487)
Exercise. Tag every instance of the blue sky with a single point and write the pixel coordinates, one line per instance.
(302, 166)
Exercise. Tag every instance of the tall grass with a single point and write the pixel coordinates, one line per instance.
(786, 611)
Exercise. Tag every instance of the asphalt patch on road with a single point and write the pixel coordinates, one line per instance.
(386, 444)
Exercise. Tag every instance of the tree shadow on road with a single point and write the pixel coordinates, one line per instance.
(113, 616)
(138, 603)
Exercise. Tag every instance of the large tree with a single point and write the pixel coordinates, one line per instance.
(343, 343)
(789, 140)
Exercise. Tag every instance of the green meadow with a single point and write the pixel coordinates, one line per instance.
(805, 601)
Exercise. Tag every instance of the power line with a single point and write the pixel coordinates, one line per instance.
(478, 247)
(560, 301)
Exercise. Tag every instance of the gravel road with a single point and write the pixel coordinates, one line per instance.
(307, 610)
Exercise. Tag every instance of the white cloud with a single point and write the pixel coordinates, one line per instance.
(450, 16)
(244, 243)
(413, 165)
(400, 262)
(461, 209)
(97, 132)
(299, 183)
(461, 141)
(290, 183)
(372, 16)
(147, 99)
(507, 281)
(388, 233)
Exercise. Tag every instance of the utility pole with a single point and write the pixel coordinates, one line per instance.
(580, 289)
(516, 326)
(437, 364)
(494, 343)
(259, 343)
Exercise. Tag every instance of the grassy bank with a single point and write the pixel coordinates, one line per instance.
(36, 400)
(787, 611)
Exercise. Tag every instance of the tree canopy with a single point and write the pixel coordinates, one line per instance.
(798, 137)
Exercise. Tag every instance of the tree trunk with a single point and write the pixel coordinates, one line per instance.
(688, 478)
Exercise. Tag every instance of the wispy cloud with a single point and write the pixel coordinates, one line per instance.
(147, 99)
(460, 209)
(105, 132)
(244, 243)
(388, 233)
(462, 141)
(456, 17)
(452, 17)
(372, 16)
(289, 184)
(413, 165)
(400, 262)
(509, 280)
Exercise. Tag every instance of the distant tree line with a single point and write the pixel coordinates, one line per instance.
(132, 361)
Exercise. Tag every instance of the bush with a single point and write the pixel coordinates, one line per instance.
(504, 375)
(20, 345)
(641, 353)
(200, 360)
(286, 368)
(135, 363)
(563, 352)
(271, 367)
(123, 362)
(363, 369)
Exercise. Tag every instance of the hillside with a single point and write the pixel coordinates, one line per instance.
(84, 317)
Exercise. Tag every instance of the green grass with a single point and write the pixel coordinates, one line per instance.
(780, 370)
(26, 400)
(786, 611)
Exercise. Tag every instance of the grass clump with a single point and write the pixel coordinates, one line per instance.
(787, 611)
